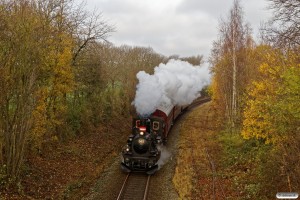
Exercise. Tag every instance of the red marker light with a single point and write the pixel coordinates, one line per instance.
(142, 129)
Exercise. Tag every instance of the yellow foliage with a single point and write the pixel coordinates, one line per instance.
(61, 57)
(60, 80)
(39, 118)
(268, 114)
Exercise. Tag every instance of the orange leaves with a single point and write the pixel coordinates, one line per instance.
(39, 118)
(60, 80)
(60, 60)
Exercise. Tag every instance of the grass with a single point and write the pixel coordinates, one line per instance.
(247, 169)
(193, 174)
(233, 158)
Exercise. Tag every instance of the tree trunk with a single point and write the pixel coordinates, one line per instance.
(234, 72)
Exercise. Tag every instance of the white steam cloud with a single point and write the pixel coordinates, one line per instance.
(164, 156)
(177, 83)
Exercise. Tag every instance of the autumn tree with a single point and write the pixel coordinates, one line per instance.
(74, 30)
(230, 62)
(39, 43)
(271, 115)
(21, 55)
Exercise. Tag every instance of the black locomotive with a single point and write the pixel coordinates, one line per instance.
(141, 152)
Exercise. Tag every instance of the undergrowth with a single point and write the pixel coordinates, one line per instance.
(246, 169)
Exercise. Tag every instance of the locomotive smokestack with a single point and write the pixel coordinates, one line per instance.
(177, 83)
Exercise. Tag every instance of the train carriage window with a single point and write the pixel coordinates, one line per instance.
(155, 126)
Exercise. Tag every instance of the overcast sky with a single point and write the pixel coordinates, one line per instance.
(182, 27)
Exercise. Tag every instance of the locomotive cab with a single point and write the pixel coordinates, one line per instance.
(157, 127)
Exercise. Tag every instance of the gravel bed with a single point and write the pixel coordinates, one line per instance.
(161, 185)
(109, 183)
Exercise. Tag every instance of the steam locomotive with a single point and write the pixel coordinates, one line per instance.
(141, 152)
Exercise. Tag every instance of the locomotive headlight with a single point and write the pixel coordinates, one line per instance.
(141, 141)
(141, 133)
(130, 139)
(127, 148)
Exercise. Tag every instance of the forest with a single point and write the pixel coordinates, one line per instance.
(61, 78)
(255, 89)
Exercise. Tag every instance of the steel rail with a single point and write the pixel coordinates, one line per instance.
(147, 188)
(123, 187)
(130, 188)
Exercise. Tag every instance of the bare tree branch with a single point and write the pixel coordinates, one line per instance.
(284, 27)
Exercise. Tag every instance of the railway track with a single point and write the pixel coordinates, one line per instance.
(135, 187)
(199, 101)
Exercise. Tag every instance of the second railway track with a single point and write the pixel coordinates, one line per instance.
(135, 187)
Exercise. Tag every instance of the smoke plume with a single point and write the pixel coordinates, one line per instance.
(164, 156)
(176, 82)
